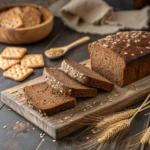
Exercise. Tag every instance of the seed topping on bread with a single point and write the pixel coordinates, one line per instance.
(123, 43)
(125, 59)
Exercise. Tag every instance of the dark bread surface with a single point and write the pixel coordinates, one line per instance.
(123, 57)
(42, 97)
(130, 45)
(64, 84)
(85, 75)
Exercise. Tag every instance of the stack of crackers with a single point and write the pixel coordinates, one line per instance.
(17, 65)
(17, 17)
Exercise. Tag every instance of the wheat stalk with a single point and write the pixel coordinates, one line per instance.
(107, 134)
(149, 142)
(116, 117)
(114, 125)
(141, 138)
(141, 107)
(146, 137)
(113, 131)
(123, 115)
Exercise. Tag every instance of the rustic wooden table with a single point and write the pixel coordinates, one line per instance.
(19, 134)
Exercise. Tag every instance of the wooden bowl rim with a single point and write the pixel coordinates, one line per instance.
(50, 19)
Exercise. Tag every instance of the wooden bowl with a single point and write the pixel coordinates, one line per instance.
(29, 34)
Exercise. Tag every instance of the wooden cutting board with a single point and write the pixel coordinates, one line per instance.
(66, 122)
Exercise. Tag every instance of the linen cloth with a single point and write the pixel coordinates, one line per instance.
(97, 17)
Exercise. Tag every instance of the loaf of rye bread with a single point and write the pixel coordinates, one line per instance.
(123, 57)
(85, 75)
(64, 84)
(42, 97)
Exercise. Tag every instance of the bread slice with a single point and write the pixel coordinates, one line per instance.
(85, 75)
(64, 84)
(42, 98)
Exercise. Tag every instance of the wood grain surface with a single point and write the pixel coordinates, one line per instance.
(66, 122)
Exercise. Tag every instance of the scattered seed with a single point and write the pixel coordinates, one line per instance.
(4, 127)
(132, 54)
(54, 140)
(17, 122)
(67, 117)
(125, 53)
(61, 120)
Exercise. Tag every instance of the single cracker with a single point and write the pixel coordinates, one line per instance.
(32, 9)
(33, 61)
(30, 17)
(10, 12)
(7, 63)
(13, 52)
(18, 72)
(12, 21)
(15, 10)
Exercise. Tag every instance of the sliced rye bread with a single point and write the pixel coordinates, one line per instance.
(122, 58)
(42, 97)
(64, 84)
(85, 75)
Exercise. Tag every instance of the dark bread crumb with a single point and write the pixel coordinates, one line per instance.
(123, 57)
(64, 84)
(85, 75)
(44, 99)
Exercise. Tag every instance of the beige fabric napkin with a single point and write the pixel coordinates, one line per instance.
(97, 17)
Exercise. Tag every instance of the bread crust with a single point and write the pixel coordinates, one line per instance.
(133, 50)
(76, 71)
(62, 87)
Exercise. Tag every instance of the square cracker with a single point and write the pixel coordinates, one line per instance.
(33, 61)
(7, 63)
(12, 11)
(12, 21)
(18, 72)
(32, 9)
(13, 52)
(31, 17)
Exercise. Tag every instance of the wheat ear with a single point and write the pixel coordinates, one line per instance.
(116, 117)
(146, 137)
(141, 138)
(120, 126)
(123, 115)
(113, 131)
(114, 128)
(149, 142)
